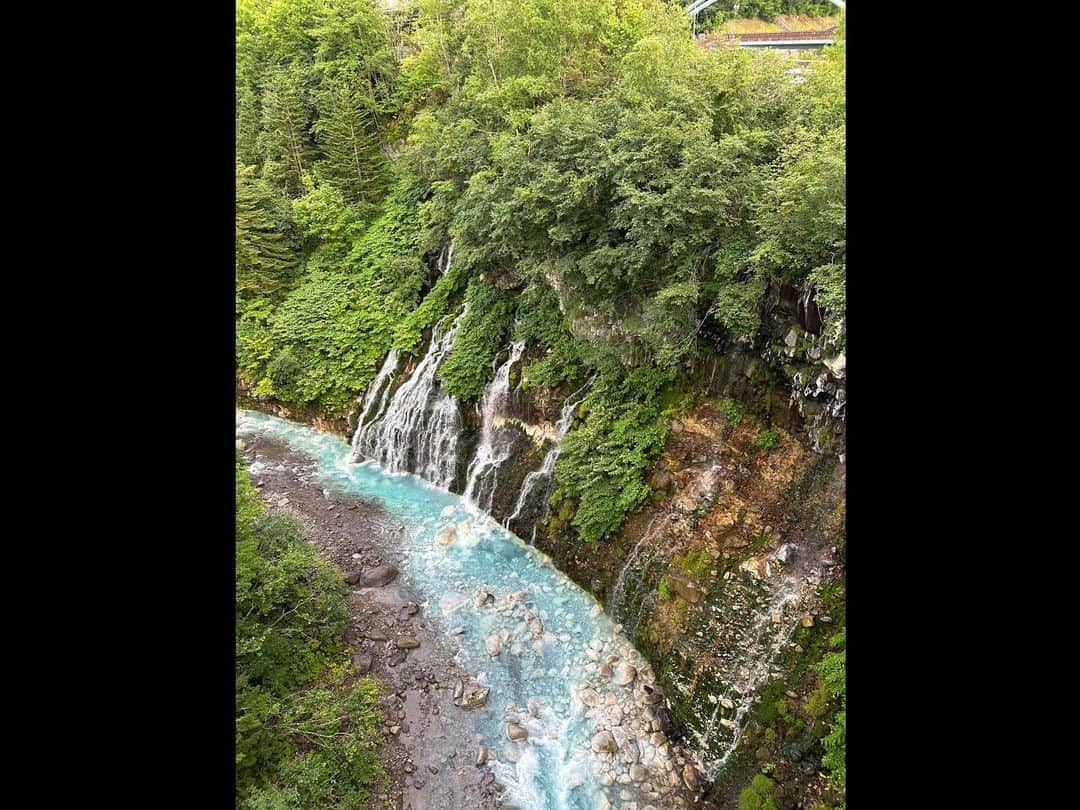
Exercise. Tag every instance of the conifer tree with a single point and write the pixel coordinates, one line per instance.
(348, 138)
(285, 142)
(265, 262)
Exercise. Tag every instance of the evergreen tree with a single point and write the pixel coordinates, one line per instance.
(348, 137)
(265, 262)
(285, 142)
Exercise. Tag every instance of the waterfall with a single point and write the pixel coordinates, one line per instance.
(385, 378)
(749, 626)
(546, 473)
(617, 591)
(493, 448)
(445, 258)
(418, 432)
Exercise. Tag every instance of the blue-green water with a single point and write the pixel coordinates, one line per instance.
(556, 769)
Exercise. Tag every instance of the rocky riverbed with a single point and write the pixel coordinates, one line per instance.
(431, 749)
(605, 695)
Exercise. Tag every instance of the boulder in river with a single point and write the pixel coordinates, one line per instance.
(446, 535)
(378, 576)
(516, 733)
(604, 742)
(493, 644)
(624, 675)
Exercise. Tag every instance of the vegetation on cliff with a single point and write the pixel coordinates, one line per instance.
(609, 186)
(306, 730)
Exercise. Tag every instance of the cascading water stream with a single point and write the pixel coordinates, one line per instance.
(493, 448)
(419, 430)
(619, 588)
(383, 381)
(528, 634)
(546, 473)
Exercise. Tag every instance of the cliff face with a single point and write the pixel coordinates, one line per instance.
(725, 580)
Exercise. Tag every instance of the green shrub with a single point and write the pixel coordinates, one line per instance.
(662, 590)
(604, 459)
(479, 337)
(732, 411)
(306, 735)
(768, 438)
(833, 670)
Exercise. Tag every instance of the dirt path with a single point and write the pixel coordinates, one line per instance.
(431, 747)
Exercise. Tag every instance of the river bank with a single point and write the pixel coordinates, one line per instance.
(430, 751)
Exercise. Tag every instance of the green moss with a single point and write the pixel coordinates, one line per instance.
(759, 794)
(663, 590)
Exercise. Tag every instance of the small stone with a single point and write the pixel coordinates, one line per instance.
(407, 643)
(362, 663)
(481, 755)
(352, 577)
(807, 620)
(638, 772)
(516, 733)
(475, 695)
(493, 645)
(690, 777)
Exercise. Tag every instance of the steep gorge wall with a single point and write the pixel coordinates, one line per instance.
(722, 574)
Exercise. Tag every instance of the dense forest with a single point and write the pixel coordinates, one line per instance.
(608, 188)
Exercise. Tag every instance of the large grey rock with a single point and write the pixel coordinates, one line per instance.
(362, 663)
(604, 742)
(378, 576)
